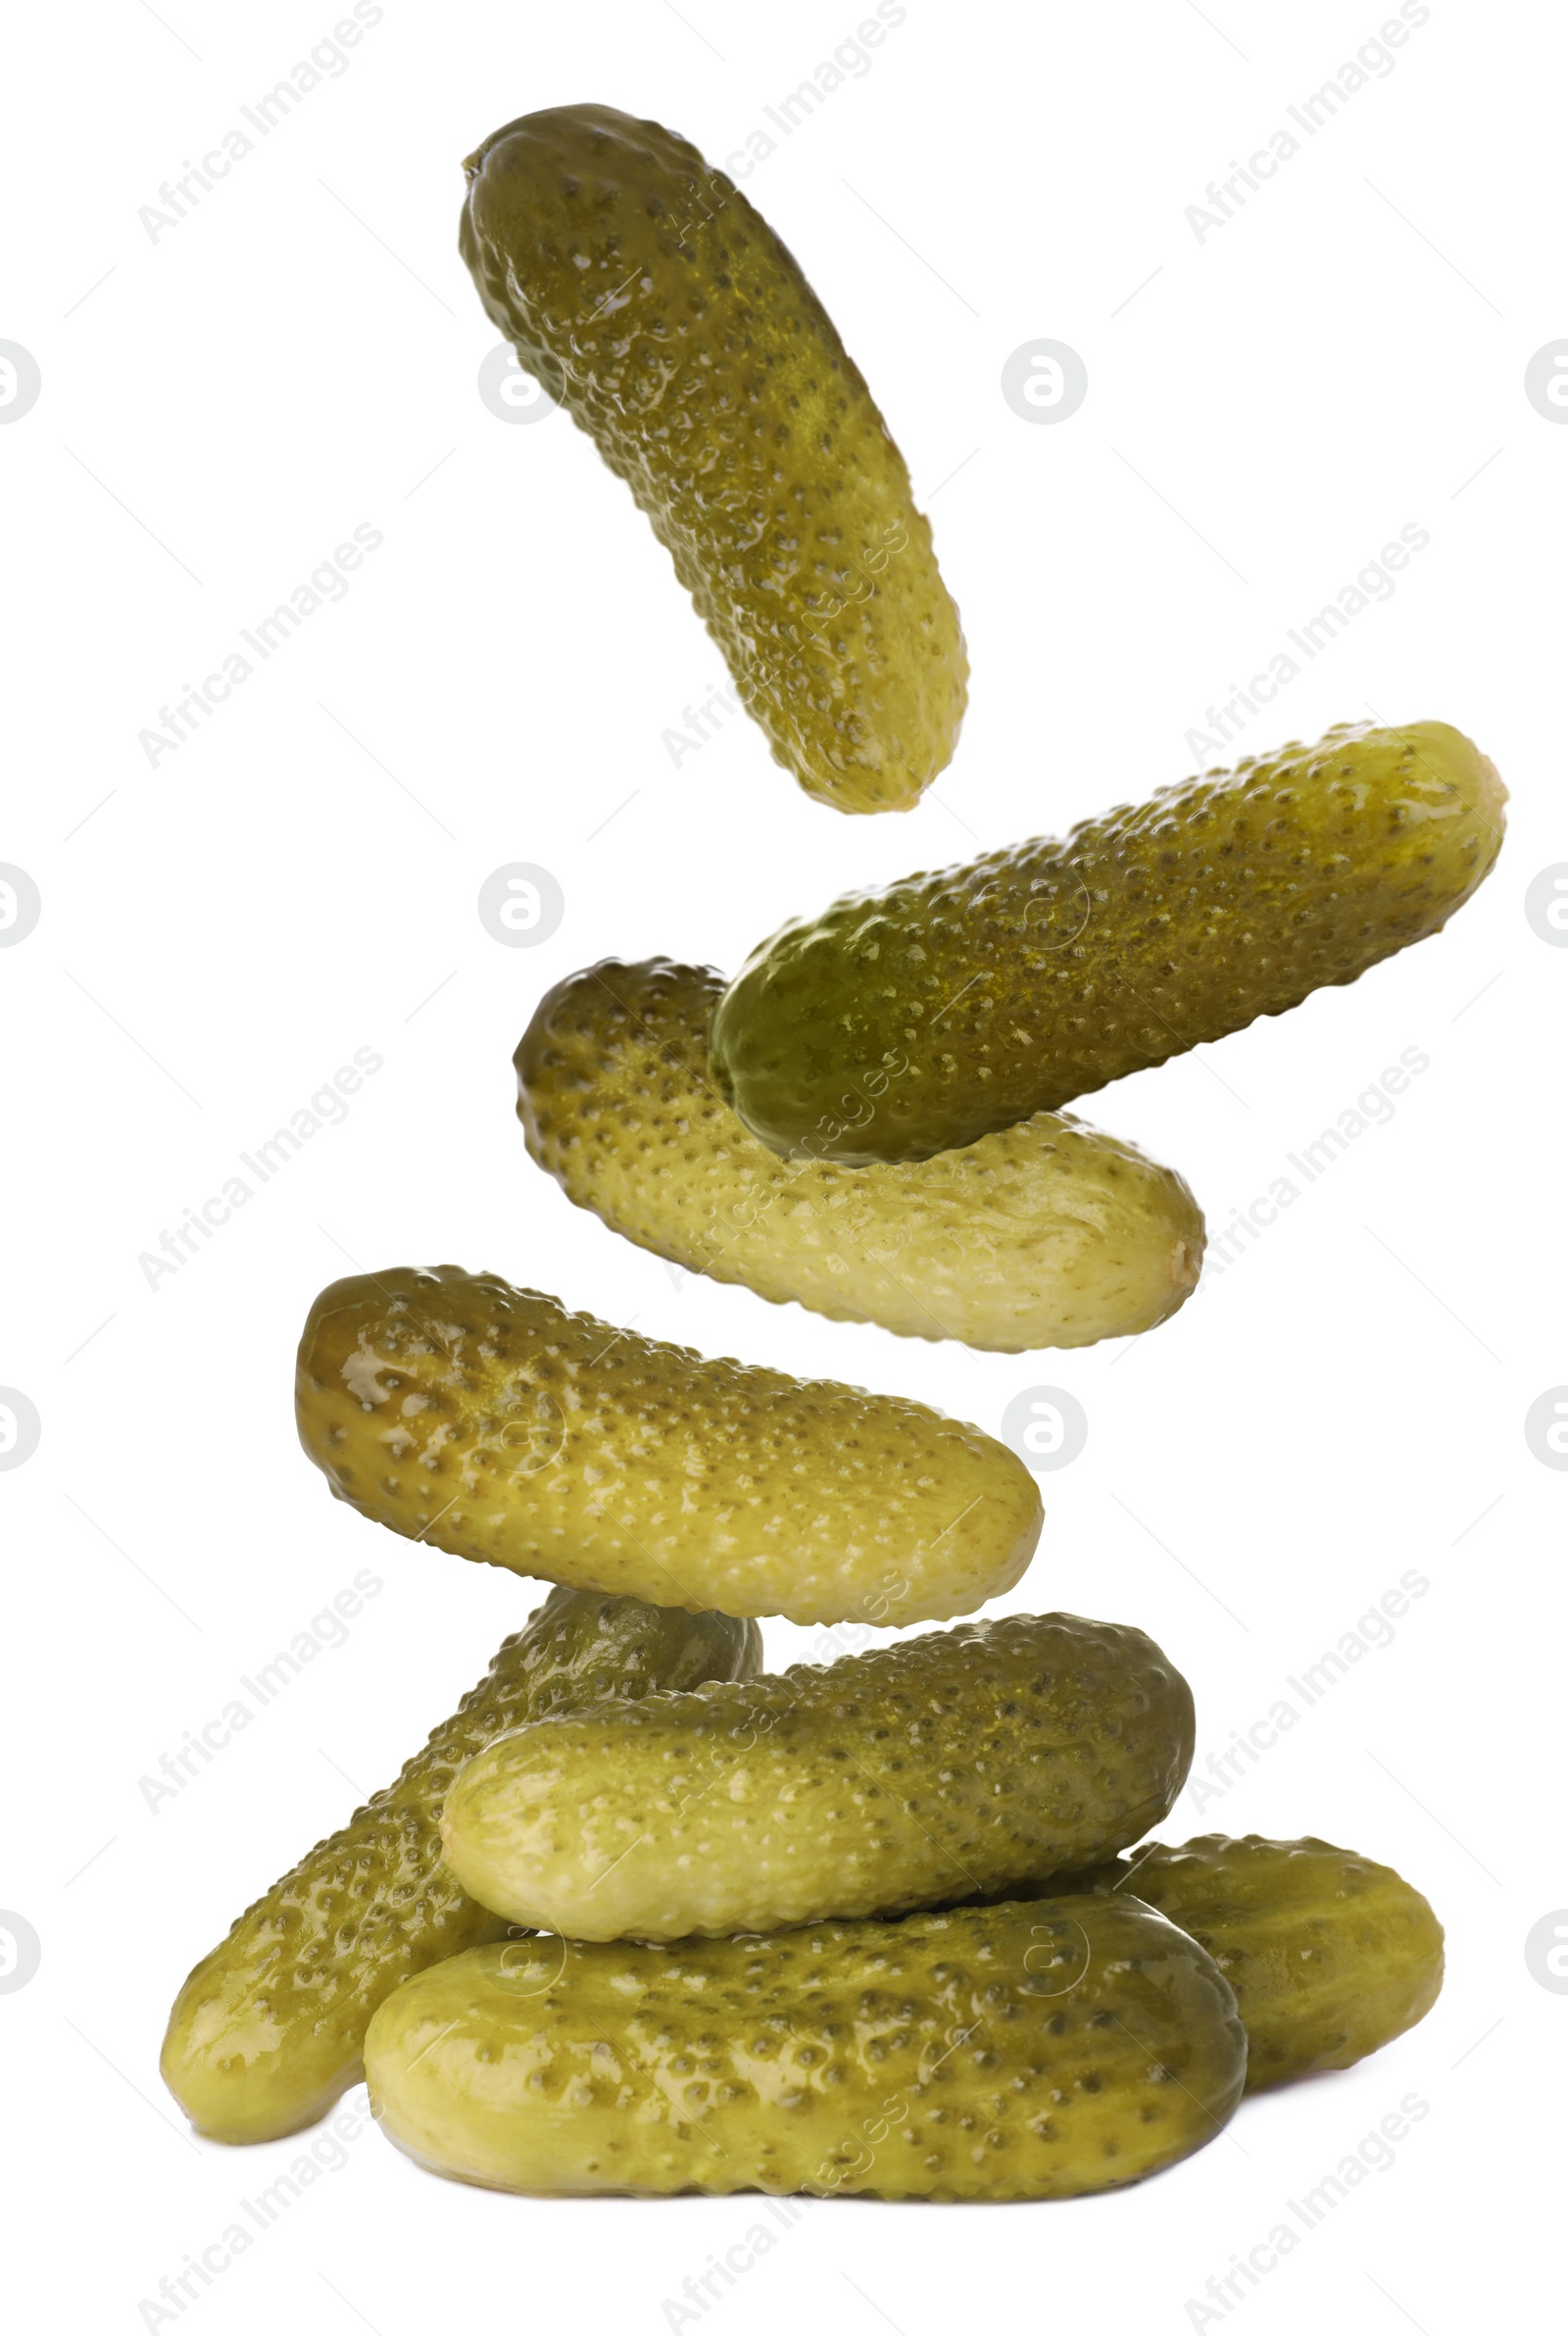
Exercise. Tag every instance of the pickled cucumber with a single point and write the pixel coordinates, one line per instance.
(1045, 1235)
(919, 1017)
(1011, 2052)
(492, 1422)
(1331, 1956)
(268, 2029)
(974, 1758)
(643, 290)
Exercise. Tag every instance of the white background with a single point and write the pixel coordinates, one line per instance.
(1266, 409)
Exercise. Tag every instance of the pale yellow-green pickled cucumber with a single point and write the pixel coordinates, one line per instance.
(1006, 2051)
(969, 1759)
(1047, 1234)
(491, 1422)
(268, 2029)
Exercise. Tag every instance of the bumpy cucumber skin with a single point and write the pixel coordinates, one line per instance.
(1330, 1954)
(268, 2030)
(649, 298)
(1048, 1234)
(491, 1422)
(972, 1759)
(1010, 2051)
(906, 1021)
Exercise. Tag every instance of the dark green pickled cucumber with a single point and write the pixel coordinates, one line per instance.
(1331, 1956)
(643, 290)
(1010, 2051)
(976, 1758)
(268, 2029)
(904, 1022)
